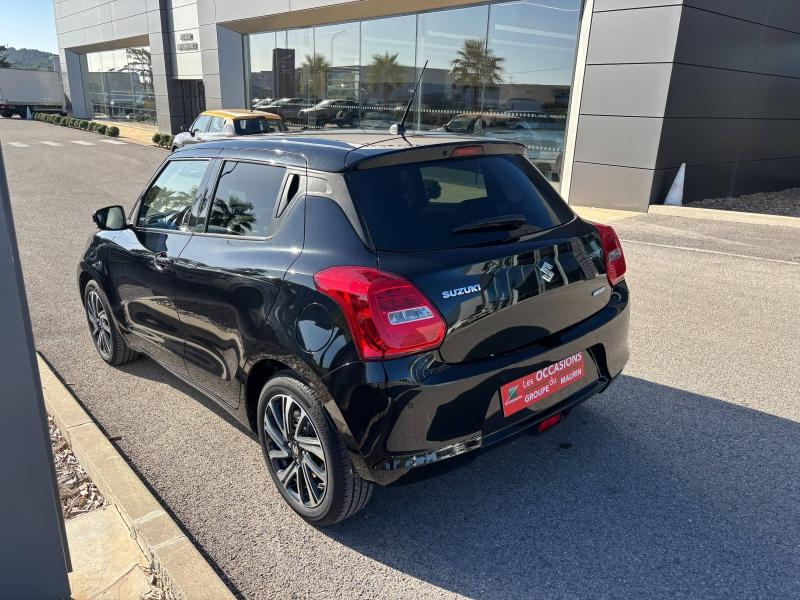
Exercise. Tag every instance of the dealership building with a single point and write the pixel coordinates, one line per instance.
(610, 97)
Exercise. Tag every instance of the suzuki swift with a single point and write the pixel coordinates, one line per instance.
(368, 304)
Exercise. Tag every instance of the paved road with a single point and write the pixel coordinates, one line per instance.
(679, 482)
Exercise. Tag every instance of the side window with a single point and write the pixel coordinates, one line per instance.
(244, 201)
(217, 123)
(169, 200)
(200, 123)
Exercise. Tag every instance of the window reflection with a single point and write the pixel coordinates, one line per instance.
(387, 69)
(119, 84)
(538, 43)
(454, 44)
(500, 70)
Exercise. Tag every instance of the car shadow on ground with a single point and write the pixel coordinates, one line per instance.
(645, 491)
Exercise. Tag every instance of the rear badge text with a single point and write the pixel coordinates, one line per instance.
(461, 291)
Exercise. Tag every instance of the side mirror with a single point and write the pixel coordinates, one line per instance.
(110, 218)
(184, 128)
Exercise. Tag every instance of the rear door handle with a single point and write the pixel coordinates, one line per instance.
(161, 261)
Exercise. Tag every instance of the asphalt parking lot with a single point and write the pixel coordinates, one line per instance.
(681, 481)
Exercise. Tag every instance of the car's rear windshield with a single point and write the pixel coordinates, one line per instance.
(256, 126)
(455, 202)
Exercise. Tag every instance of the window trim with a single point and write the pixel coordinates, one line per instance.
(137, 207)
(218, 173)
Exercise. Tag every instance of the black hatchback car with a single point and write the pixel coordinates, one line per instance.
(367, 304)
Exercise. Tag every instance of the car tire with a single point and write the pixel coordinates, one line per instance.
(312, 458)
(105, 335)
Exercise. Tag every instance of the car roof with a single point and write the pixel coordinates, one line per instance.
(336, 151)
(239, 113)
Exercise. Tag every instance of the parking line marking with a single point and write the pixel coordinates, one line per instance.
(112, 142)
(17, 144)
(719, 252)
(83, 143)
(52, 144)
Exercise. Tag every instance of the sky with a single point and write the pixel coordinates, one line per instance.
(28, 24)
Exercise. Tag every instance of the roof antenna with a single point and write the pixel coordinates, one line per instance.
(400, 128)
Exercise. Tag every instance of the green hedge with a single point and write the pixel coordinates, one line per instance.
(163, 139)
(84, 124)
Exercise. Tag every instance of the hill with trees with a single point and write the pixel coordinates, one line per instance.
(26, 58)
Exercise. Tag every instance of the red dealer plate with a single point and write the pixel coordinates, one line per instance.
(527, 391)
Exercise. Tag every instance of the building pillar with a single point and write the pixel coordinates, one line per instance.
(73, 66)
(625, 88)
(223, 66)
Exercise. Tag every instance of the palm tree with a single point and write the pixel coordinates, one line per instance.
(385, 73)
(236, 215)
(313, 75)
(476, 65)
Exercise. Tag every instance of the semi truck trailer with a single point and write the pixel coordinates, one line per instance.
(24, 91)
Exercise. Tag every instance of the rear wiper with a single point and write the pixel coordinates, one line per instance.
(492, 223)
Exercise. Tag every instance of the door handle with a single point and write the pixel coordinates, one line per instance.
(161, 261)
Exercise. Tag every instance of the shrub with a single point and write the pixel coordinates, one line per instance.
(112, 131)
(157, 138)
(101, 128)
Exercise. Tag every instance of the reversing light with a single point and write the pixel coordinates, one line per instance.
(612, 253)
(387, 315)
(409, 315)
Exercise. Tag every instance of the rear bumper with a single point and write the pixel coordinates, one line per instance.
(417, 410)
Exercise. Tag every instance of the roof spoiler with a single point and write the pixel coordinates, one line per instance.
(362, 160)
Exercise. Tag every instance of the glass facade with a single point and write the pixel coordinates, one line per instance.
(119, 85)
(500, 70)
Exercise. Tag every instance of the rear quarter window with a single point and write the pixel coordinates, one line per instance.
(420, 206)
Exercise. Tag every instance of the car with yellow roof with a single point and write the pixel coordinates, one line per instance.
(220, 124)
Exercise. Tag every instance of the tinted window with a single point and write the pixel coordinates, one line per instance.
(170, 198)
(201, 123)
(255, 126)
(217, 123)
(245, 199)
(420, 206)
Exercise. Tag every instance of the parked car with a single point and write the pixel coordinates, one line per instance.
(287, 108)
(479, 123)
(338, 112)
(219, 124)
(262, 103)
(379, 119)
(368, 306)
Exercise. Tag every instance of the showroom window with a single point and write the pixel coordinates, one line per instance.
(119, 85)
(501, 69)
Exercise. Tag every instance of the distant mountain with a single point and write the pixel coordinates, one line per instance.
(28, 58)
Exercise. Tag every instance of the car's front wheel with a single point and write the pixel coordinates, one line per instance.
(106, 337)
(305, 456)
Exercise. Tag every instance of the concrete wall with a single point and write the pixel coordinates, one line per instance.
(714, 84)
(733, 111)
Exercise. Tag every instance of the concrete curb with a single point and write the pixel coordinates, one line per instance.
(177, 561)
(724, 215)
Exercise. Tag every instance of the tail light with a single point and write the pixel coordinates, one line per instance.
(388, 317)
(612, 252)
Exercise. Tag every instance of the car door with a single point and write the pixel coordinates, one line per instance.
(143, 258)
(229, 273)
